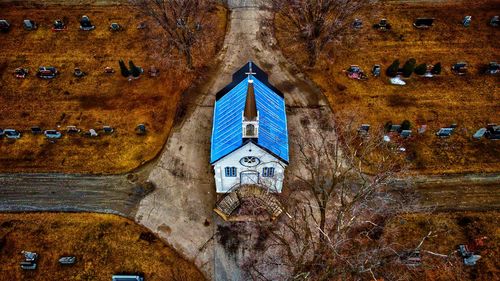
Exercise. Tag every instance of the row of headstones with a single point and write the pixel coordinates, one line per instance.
(49, 72)
(59, 25)
(394, 71)
(422, 23)
(491, 131)
(71, 130)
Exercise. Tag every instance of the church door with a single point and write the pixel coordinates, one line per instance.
(249, 177)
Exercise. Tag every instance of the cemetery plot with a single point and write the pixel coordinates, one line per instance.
(471, 101)
(54, 79)
(477, 230)
(85, 246)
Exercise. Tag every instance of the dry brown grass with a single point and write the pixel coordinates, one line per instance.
(471, 101)
(97, 99)
(103, 244)
(449, 230)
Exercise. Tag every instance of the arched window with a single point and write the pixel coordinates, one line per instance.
(268, 172)
(250, 130)
(230, 171)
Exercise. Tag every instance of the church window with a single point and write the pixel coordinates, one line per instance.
(249, 161)
(268, 172)
(230, 171)
(250, 130)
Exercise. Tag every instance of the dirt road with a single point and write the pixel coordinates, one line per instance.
(185, 195)
(459, 192)
(59, 192)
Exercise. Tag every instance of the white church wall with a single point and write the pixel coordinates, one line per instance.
(224, 184)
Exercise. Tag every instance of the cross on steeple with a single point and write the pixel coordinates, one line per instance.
(250, 72)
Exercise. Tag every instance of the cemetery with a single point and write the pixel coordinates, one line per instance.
(60, 72)
(84, 246)
(130, 133)
(436, 67)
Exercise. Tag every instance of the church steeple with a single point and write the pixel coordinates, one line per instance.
(250, 115)
(250, 112)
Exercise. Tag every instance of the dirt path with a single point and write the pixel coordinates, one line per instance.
(60, 192)
(185, 195)
(471, 192)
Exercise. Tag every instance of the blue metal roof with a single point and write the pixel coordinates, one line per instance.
(227, 134)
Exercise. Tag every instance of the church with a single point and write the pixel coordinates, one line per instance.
(249, 144)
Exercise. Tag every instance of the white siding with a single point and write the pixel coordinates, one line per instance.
(224, 184)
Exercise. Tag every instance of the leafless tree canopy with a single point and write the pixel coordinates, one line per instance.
(337, 200)
(181, 20)
(314, 23)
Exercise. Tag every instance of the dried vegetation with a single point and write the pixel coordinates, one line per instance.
(97, 99)
(103, 245)
(471, 101)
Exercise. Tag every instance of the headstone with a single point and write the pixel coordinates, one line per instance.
(85, 24)
(59, 25)
(109, 69)
(4, 25)
(72, 130)
(397, 81)
(29, 24)
(423, 22)
(422, 129)
(467, 21)
(472, 260)
(114, 26)
(93, 133)
(405, 133)
(36, 130)
(140, 129)
(107, 129)
(495, 21)
(357, 24)
(479, 133)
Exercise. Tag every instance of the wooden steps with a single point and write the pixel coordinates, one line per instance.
(231, 201)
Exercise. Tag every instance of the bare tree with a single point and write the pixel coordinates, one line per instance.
(181, 20)
(315, 23)
(337, 205)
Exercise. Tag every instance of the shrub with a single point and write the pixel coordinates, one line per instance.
(123, 69)
(421, 69)
(134, 70)
(388, 126)
(147, 236)
(393, 69)
(436, 69)
(408, 67)
(406, 125)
